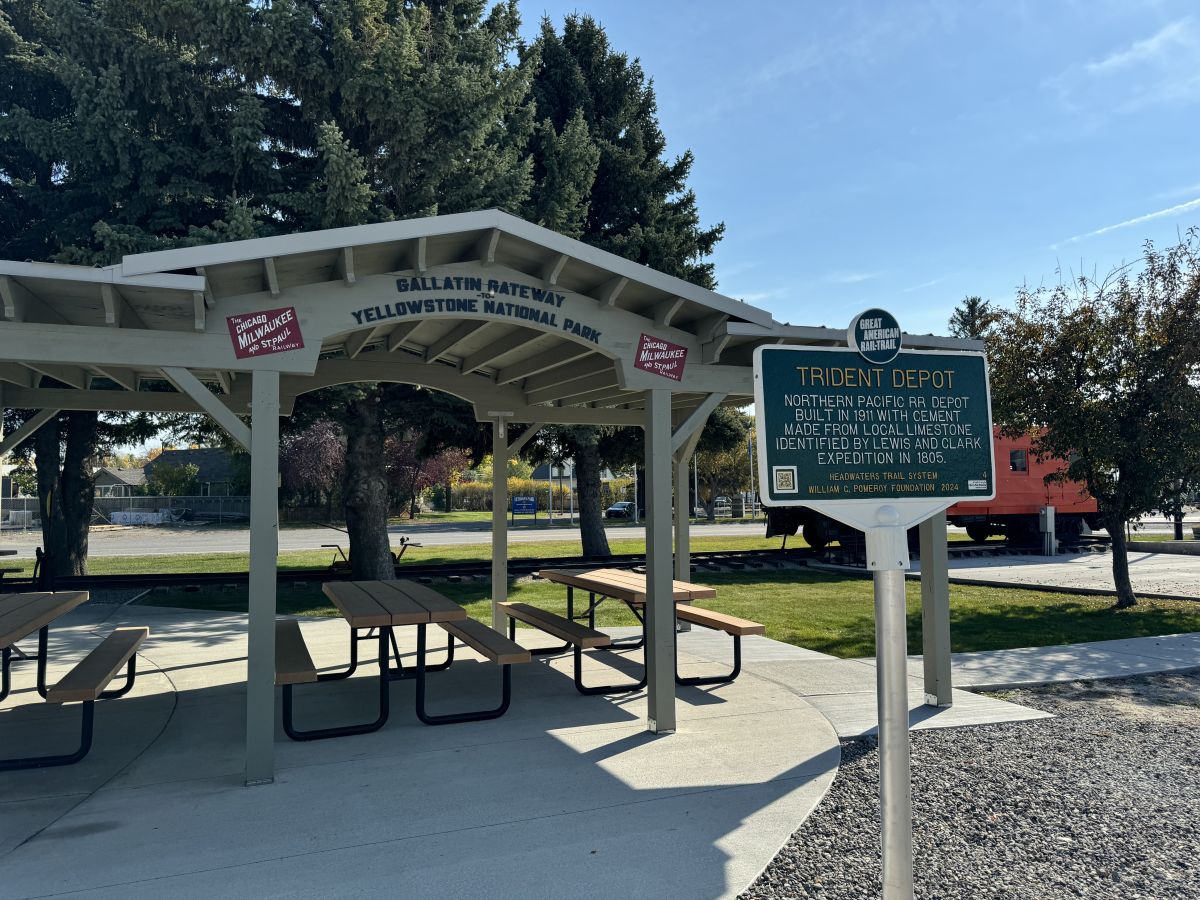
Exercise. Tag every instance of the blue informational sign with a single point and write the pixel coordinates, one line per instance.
(524, 506)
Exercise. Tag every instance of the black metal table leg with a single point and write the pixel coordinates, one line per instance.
(712, 679)
(455, 718)
(317, 734)
(66, 759)
(6, 676)
(402, 674)
(605, 689)
(346, 673)
(43, 635)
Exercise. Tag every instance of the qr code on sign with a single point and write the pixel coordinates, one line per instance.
(785, 479)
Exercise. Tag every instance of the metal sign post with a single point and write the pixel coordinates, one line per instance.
(880, 440)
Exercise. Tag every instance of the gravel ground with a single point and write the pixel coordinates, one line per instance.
(1101, 801)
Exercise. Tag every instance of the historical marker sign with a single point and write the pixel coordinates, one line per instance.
(833, 426)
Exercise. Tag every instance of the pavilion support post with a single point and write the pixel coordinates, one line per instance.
(660, 601)
(935, 611)
(264, 551)
(683, 509)
(499, 520)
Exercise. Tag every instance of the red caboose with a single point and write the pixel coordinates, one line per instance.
(1021, 491)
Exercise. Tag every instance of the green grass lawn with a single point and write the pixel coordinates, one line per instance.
(827, 612)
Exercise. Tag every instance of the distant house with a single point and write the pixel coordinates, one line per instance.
(214, 475)
(120, 482)
(565, 474)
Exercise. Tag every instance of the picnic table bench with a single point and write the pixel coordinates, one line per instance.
(630, 588)
(377, 608)
(20, 616)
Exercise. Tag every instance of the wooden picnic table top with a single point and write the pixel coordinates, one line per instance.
(371, 604)
(23, 614)
(622, 584)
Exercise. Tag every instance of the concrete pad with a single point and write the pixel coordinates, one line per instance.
(563, 796)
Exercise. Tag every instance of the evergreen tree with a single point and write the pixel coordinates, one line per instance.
(144, 124)
(613, 188)
(973, 318)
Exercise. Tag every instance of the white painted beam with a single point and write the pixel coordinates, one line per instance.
(516, 444)
(419, 255)
(710, 352)
(21, 305)
(541, 362)
(75, 376)
(397, 335)
(209, 300)
(572, 388)
(189, 384)
(695, 422)
(199, 310)
(487, 246)
(150, 348)
(554, 270)
(126, 378)
(666, 312)
(108, 401)
(608, 293)
(447, 342)
(497, 349)
(16, 374)
(271, 276)
(359, 339)
(117, 311)
(23, 433)
(582, 368)
(345, 266)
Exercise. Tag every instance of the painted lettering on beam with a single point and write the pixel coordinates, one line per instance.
(509, 301)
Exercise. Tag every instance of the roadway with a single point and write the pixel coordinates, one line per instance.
(173, 540)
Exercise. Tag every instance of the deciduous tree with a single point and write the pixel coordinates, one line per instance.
(1106, 377)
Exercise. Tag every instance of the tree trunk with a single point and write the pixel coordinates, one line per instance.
(78, 489)
(1120, 564)
(587, 475)
(65, 494)
(365, 490)
(47, 460)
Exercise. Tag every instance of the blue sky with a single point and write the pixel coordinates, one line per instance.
(906, 155)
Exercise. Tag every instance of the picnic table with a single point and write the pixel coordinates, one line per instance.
(619, 584)
(23, 614)
(630, 588)
(378, 608)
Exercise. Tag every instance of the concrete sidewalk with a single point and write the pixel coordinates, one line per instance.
(565, 796)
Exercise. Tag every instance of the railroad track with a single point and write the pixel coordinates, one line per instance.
(712, 561)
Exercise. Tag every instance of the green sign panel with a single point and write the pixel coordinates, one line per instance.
(833, 426)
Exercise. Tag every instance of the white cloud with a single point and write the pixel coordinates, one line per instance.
(1152, 49)
(925, 284)
(851, 277)
(1137, 220)
(1160, 70)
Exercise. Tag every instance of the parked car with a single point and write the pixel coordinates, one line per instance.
(622, 509)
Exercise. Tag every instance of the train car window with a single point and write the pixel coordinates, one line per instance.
(1017, 461)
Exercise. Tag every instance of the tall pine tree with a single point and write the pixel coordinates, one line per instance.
(637, 205)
